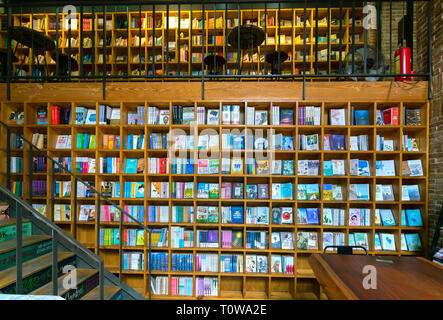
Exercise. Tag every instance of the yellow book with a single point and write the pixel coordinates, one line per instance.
(237, 166)
(111, 142)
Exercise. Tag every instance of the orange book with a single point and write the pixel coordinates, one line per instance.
(105, 141)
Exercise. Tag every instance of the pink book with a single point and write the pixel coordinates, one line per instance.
(326, 145)
(226, 190)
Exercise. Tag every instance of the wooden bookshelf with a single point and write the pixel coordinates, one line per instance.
(302, 283)
(291, 33)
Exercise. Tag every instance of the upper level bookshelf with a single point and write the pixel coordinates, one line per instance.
(180, 42)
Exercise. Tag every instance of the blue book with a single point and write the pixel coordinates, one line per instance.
(131, 166)
(362, 192)
(404, 222)
(327, 168)
(238, 142)
(130, 142)
(414, 194)
(286, 191)
(140, 141)
(312, 192)
(117, 189)
(337, 142)
(363, 168)
(189, 168)
(386, 217)
(139, 189)
(312, 215)
(288, 143)
(237, 214)
(361, 117)
(86, 137)
(414, 217)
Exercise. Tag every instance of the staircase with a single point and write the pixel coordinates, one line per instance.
(36, 255)
(38, 258)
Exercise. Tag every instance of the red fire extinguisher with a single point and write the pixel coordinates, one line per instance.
(402, 63)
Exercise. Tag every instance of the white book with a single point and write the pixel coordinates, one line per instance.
(213, 141)
(337, 117)
(277, 167)
(354, 143)
(276, 115)
(415, 168)
(387, 241)
(213, 116)
(235, 114)
(250, 111)
(226, 114)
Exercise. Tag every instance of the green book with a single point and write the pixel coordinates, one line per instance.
(79, 140)
(213, 191)
(301, 192)
(237, 239)
(288, 167)
(276, 215)
(92, 142)
(213, 215)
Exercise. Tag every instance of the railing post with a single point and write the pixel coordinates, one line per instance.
(30, 163)
(81, 42)
(101, 272)
(304, 51)
(19, 245)
(52, 192)
(74, 209)
(203, 51)
(430, 49)
(54, 264)
(57, 69)
(9, 62)
(120, 247)
(149, 265)
(98, 223)
(8, 158)
(104, 53)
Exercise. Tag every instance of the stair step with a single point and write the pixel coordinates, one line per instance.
(8, 229)
(10, 222)
(33, 246)
(35, 272)
(11, 245)
(110, 292)
(82, 276)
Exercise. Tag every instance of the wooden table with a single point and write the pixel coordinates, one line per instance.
(404, 278)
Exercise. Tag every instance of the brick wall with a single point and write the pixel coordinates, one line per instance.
(436, 112)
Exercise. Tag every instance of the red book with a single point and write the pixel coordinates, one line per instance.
(387, 116)
(162, 165)
(394, 116)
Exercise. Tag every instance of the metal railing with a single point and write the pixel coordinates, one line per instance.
(209, 10)
(55, 233)
(100, 197)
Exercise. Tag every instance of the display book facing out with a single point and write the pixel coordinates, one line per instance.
(125, 31)
(246, 226)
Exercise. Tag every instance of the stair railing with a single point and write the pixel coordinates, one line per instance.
(100, 197)
(19, 206)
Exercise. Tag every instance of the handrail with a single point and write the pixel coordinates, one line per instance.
(99, 197)
(55, 231)
(75, 176)
(42, 219)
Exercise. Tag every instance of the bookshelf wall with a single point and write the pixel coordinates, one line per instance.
(123, 39)
(237, 285)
